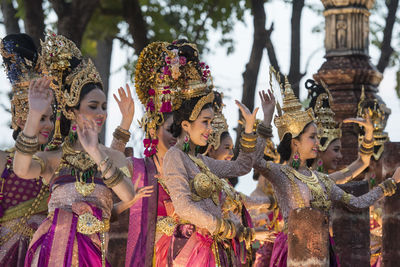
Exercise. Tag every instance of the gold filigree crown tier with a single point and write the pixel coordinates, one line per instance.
(219, 125)
(379, 113)
(328, 128)
(57, 53)
(293, 119)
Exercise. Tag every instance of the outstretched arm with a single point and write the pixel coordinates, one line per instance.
(365, 152)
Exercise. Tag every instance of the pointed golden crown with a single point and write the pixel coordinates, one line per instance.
(293, 119)
(56, 55)
(327, 126)
(219, 126)
(379, 113)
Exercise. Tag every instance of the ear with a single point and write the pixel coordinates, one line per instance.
(185, 126)
(294, 144)
(20, 123)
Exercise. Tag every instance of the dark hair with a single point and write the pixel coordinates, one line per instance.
(315, 90)
(183, 114)
(24, 50)
(284, 148)
(65, 124)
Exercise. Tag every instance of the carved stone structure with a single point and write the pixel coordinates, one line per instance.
(347, 68)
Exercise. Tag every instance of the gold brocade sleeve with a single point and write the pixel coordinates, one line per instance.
(176, 179)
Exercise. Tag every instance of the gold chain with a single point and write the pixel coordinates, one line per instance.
(319, 196)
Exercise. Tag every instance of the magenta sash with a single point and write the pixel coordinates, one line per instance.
(57, 237)
(142, 217)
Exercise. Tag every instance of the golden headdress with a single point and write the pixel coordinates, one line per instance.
(293, 119)
(62, 60)
(166, 74)
(328, 128)
(379, 114)
(218, 124)
(19, 60)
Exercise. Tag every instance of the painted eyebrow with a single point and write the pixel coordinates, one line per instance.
(208, 118)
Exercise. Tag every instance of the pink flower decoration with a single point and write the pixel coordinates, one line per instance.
(154, 142)
(150, 105)
(151, 91)
(182, 60)
(166, 107)
(146, 142)
(165, 92)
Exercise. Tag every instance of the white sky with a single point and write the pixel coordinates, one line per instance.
(227, 74)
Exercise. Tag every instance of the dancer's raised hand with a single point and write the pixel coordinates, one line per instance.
(126, 106)
(40, 95)
(268, 105)
(250, 118)
(364, 122)
(88, 134)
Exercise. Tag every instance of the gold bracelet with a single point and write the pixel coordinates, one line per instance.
(104, 161)
(115, 179)
(29, 139)
(122, 134)
(107, 169)
(249, 137)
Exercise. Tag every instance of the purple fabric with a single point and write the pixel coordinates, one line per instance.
(89, 255)
(70, 244)
(17, 190)
(66, 179)
(48, 242)
(143, 214)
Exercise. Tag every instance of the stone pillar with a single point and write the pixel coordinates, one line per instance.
(351, 230)
(391, 210)
(347, 67)
(308, 238)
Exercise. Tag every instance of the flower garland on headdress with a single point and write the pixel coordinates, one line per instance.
(163, 72)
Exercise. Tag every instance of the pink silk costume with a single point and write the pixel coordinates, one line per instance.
(57, 241)
(192, 243)
(17, 224)
(286, 200)
(143, 238)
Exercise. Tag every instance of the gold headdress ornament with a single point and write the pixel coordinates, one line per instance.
(379, 114)
(56, 55)
(20, 71)
(324, 117)
(164, 77)
(219, 126)
(293, 119)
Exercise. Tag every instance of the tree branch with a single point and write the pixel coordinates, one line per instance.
(294, 73)
(137, 26)
(124, 41)
(9, 16)
(34, 20)
(386, 48)
(273, 60)
(73, 17)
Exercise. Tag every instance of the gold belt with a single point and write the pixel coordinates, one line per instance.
(88, 224)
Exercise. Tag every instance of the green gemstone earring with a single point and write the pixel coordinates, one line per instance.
(186, 147)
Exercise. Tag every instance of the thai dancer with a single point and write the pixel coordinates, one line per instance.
(295, 185)
(82, 172)
(23, 202)
(192, 180)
